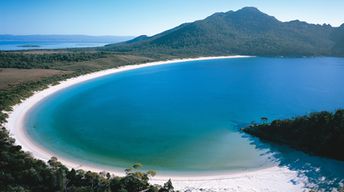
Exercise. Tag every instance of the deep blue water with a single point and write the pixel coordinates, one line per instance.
(26, 45)
(186, 117)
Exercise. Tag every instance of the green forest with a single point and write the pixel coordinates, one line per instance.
(320, 133)
(45, 60)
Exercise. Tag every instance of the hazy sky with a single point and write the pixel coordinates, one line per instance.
(136, 17)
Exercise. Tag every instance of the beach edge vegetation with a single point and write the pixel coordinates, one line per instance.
(20, 172)
(318, 133)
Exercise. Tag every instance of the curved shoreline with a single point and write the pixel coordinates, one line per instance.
(274, 178)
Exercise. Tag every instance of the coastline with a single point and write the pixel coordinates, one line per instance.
(265, 179)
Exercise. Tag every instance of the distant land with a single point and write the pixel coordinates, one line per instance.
(247, 31)
(28, 45)
(22, 42)
(75, 38)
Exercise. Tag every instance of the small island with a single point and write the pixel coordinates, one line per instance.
(28, 45)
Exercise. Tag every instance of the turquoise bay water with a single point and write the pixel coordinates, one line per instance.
(186, 117)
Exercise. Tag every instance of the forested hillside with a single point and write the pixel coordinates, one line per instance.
(247, 31)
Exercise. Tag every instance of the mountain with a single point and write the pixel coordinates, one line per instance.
(64, 38)
(247, 31)
(338, 38)
(138, 39)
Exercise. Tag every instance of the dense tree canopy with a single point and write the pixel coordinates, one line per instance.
(47, 60)
(319, 133)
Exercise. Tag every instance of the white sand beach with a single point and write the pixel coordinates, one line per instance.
(266, 179)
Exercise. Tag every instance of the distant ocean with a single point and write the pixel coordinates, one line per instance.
(22, 45)
(28, 42)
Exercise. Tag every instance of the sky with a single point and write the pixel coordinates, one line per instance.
(149, 17)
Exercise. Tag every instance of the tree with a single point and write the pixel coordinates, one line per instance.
(168, 187)
(264, 120)
(60, 172)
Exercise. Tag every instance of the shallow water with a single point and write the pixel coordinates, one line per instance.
(186, 117)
